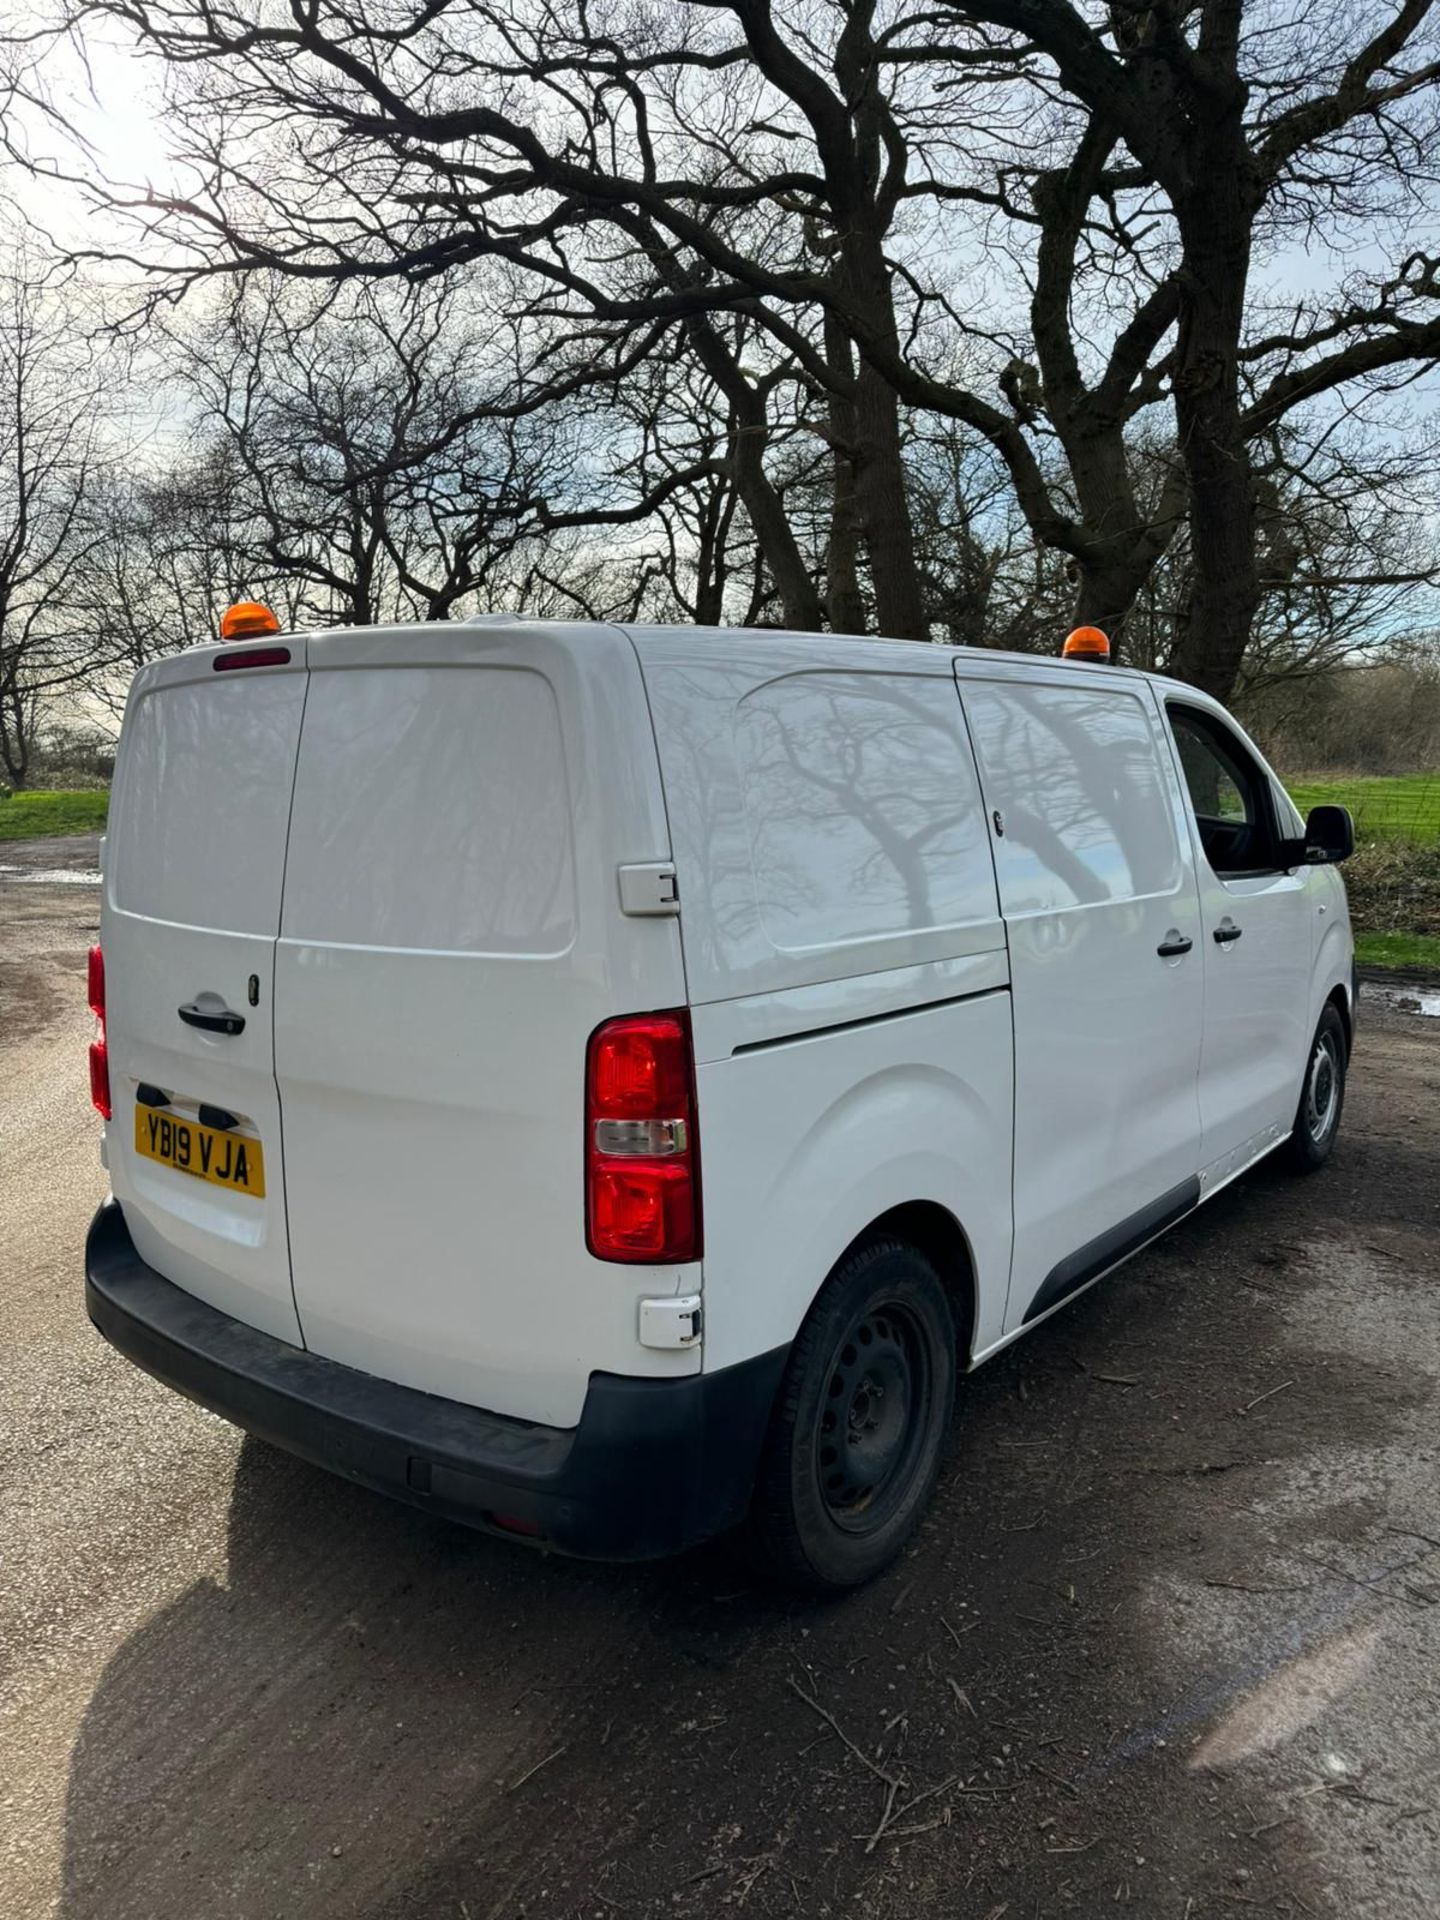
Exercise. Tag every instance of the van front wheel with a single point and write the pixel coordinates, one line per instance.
(859, 1428)
(1317, 1118)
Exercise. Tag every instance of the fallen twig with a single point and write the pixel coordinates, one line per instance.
(1241, 1586)
(890, 1792)
(1270, 1395)
(880, 1773)
(924, 1826)
(1058, 1778)
(1409, 1533)
(516, 1785)
(962, 1696)
(705, 1873)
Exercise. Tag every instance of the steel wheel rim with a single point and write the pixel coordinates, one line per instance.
(871, 1429)
(1322, 1088)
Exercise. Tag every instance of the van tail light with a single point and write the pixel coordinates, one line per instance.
(642, 1156)
(100, 1078)
(99, 1056)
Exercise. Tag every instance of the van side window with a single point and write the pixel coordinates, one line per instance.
(1076, 777)
(863, 808)
(1229, 795)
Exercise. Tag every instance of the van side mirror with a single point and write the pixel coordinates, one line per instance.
(1329, 836)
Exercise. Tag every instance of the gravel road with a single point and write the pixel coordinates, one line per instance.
(1169, 1643)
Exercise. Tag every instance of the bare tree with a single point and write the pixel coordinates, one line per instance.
(343, 453)
(1254, 120)
(837, 177)
(56, 404)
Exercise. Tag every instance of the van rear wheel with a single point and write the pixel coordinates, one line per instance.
(859, 1428)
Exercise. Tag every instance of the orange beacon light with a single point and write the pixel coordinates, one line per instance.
(246, 619)
(1086, 643)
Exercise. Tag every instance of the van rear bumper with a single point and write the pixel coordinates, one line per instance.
(653, 1467)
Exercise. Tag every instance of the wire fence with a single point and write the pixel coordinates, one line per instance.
(1403, 808)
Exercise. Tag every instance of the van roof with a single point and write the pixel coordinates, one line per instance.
(648, 635)
(649, 631)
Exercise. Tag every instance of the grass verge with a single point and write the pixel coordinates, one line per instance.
(36, 816)
(1418, 950)
(1403, 807)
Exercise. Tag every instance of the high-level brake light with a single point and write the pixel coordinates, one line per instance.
(255, 657)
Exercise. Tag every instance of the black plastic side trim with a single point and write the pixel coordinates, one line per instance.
(655, 1465)
(1108, 1249)
(866, 1020)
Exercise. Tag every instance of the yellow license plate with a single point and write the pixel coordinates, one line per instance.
(225, 1159)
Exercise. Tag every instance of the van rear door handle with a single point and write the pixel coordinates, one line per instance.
(1226, 932)
(1172, 944)
(222, 1022)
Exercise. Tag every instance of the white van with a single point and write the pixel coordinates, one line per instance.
(597, 1082)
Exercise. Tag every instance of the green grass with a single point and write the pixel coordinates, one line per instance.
(36, 816)
(1405, 807)
(1393, 878)
(1399, 950)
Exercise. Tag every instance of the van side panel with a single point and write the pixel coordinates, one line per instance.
(806, 1142)
(451, 935)
(846, 962)
(824, 810)
(1096, 878)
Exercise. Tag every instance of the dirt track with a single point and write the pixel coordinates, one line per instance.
(1170, 1642)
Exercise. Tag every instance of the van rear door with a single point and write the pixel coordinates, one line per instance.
(194, 867)
(452, 934)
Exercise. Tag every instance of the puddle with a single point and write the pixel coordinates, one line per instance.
(1421, 1000)
(46, 877)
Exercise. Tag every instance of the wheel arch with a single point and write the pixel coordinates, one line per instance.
(933, 1231)
(1340, 1000)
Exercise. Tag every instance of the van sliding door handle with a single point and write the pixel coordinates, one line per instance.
(222, 1022)
(1227, 932)
(1173, 944)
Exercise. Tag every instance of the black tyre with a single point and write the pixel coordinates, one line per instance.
(860, 1423)
(1322, 1097)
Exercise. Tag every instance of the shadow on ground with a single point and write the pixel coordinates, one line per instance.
(379, 1715)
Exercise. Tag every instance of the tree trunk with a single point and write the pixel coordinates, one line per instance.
(15, 734)
(1103, 596)
(880, 499)
(711, 568)
(749, 436)
(784, 562)
(884, 511)
(1215, 234)
(844, 602)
